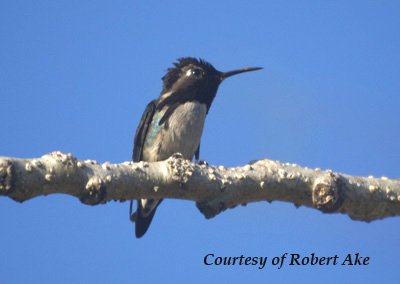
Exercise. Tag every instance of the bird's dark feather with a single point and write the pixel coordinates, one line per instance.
(174, 99)
(142, 223)
(168, 113)
(141, 131)
(197, 154)
(174, 73)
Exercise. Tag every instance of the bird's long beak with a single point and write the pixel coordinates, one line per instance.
(225, 75)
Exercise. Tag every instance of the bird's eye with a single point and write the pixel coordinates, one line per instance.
(193, 72)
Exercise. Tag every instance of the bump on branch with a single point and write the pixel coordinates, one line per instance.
(213, 188)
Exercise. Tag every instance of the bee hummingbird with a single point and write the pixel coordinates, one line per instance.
(174, 121)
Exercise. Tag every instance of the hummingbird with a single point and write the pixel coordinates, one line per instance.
(174, 121)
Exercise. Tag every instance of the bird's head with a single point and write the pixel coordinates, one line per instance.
(196, 79)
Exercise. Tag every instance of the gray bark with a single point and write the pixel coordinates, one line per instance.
(213, 188)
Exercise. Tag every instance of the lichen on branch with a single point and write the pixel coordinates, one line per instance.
(213, 188)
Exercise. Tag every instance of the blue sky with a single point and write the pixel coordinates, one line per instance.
(75, 76)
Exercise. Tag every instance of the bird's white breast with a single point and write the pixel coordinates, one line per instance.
(182, 133)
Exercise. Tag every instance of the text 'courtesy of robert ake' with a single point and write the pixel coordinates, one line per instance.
(287, 259)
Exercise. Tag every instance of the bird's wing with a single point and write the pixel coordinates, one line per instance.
(142, 222)
(141, 131)
(197, 154)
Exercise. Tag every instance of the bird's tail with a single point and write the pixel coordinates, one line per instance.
(141, 218)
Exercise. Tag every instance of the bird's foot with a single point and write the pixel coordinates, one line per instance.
(202, 163)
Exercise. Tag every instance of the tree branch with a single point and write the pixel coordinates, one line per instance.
(213, 188)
